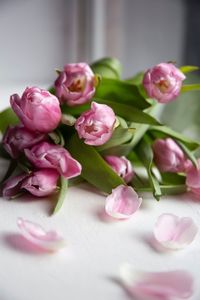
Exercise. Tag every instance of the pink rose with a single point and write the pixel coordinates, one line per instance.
(168, 156)
(76, 84)
(121, 165)
(37, 109)
(163, 82)
(193, 178)
(17, 138)
(46, 155)
(96, 125)
(39, 183)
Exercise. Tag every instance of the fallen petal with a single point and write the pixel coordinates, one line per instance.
(34, 233)
(169, 285)
(174, 232)
(123, 202)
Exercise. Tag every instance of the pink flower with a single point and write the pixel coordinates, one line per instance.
(96, 125)
(45, 155)
(122, 203)
(121, 165)
(35, 234)
(17, 138)
(193, 178)
(76, 84)
(12, 186)
(37, 109)
(173, 232)
(168, 156)
(163, 82)
(168, 285)
(41, 183)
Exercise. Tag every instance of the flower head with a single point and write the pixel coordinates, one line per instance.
(121, 165)
(46, 155)
(96, 125)
(163, 82)
(193, 178)
(76, 84)
(37, 109)
(18, 138)
(168, 156)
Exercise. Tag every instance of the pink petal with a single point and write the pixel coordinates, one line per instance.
(122, 203)
(169, 285)
(174, 232)
(34, 233)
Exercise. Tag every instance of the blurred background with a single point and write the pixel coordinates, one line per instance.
(38, 36)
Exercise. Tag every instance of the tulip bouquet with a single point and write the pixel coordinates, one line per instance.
(93, 126)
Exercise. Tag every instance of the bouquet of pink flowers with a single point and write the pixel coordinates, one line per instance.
(95, 127)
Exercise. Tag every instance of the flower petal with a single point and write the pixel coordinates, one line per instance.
(169, 285)
(34, 233)
(174, 232)
(122, 203)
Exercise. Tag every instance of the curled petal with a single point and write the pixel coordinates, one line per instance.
(174, 232)
(169, 285)
(122, 203)
(34, 233)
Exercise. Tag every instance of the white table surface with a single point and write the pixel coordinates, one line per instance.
(88, 267)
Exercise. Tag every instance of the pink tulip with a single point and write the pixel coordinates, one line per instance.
(169, 285)
(17, 138)
(12, 186)
(168, 156)
(173, 232)
(121, 165)
(163, 82)
(76, 84)
(47, 240)
(41, 183)
(46, 155)
(122, 203)
(96, 125)
(193, 179)
(37, 109)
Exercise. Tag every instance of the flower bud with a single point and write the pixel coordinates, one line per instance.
(163, 82)
(46, 155)
(76, 84)
(96, 125)
(168, 156)
(37, 109)
(17, 138)
(121, 165)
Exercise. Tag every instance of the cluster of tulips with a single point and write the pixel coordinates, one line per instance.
(93, 125)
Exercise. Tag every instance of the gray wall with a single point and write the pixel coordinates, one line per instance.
(40, 35)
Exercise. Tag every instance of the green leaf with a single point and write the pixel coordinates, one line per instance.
(62, 194)
(129, 113)
(145, 153)
(136, 79)
(166, 132)
(188, 153)
(188, 69)
(172, 178)
(107, 67)
(121, 92)
(140, 130)
(165, 189)
(190, 87)
(94, 168)
(7, 117)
